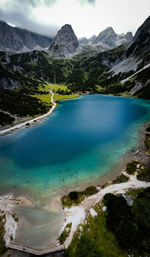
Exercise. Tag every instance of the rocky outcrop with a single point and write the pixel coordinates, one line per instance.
(141, 40)
(9, 83)
(64, 44)
(18, 40)
(124, 39)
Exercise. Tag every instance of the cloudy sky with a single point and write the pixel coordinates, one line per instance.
(87, 17)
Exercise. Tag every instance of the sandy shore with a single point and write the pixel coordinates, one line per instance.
(32, 121)
(76, 214)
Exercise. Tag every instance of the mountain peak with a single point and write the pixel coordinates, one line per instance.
(65, 43)
(145, 27)
(66, 27)
(141, 40)
(109, 29)
(107, 37)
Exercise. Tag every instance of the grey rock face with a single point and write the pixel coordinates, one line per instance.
(9, 83)
(143, 30)
(93, 39)
(129, 36)
(65, 43)
(19, 40)
(141, 40)
(83, 41)
(108, 39)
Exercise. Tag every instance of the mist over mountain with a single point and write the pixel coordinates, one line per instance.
(14, 39)
(65, 44)
(108, 39)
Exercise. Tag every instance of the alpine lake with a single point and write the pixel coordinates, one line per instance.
(81, 142)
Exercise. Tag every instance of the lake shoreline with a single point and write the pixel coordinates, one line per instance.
(137, 153)
(85, 208)
(28, 123)
(77, 214)
(9, 202)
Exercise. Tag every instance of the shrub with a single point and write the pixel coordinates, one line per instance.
(121, 179)
(131, 167)
(73, 195)
(62, 238)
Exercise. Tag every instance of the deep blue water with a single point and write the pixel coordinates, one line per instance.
(81, 140)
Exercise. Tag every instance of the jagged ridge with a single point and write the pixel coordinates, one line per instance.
(20, 40)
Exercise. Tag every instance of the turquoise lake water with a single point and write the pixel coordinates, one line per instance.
(78, 143)
(81, 140)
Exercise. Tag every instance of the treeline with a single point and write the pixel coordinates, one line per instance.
(19, 102)
(123, 230)
(130, 224)
(82, 73)
(5, 119)
(39, 65)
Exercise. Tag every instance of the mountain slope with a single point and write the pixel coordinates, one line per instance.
(141, 41)
(37, 65)
(104, 72)
(19, 40)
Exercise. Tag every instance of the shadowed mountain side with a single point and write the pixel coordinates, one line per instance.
(14, 39)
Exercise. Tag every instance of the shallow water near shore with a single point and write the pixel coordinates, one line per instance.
(81, 141)
(39, 229)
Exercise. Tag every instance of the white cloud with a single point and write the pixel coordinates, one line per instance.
(87, 17)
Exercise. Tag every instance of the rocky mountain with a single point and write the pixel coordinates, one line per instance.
(64, 44)
(113, 69)
(141, 40)
(108, 39)
(137, 53)
(18, 40)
